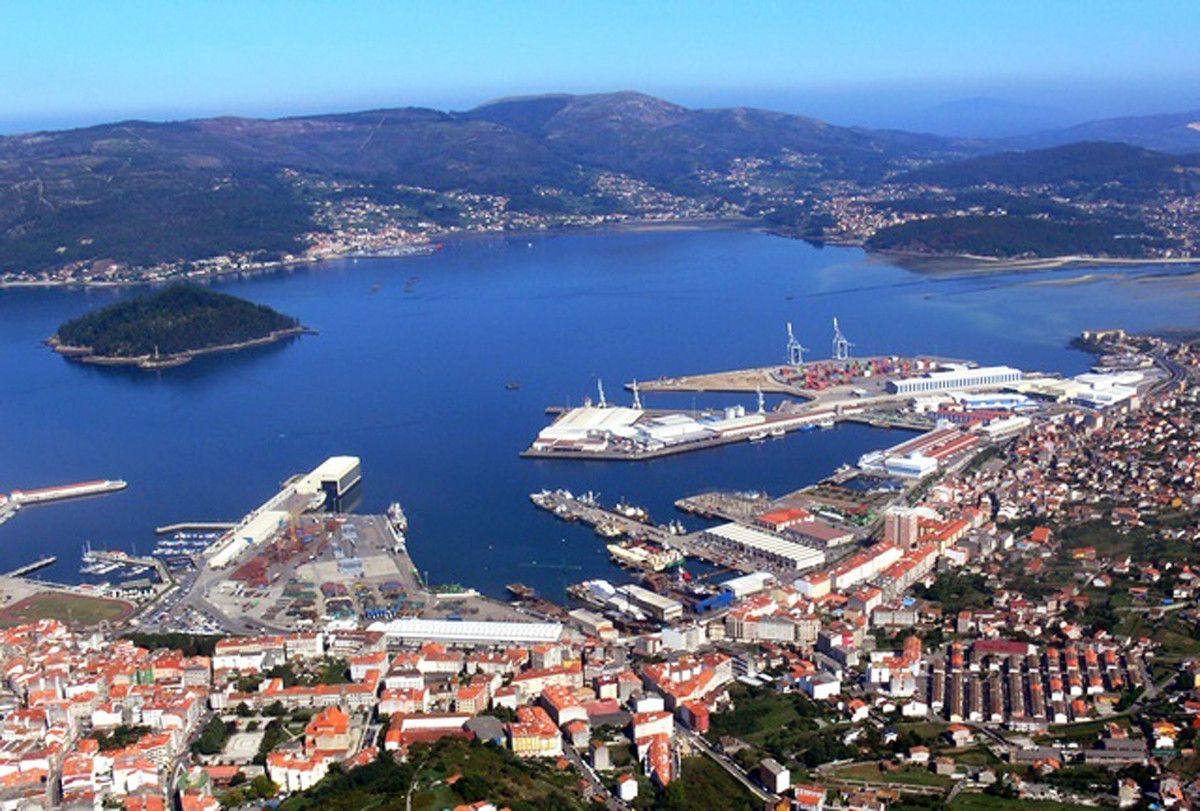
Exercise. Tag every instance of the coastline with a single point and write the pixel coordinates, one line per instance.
(974, 263)
(421, 249)
(83, 354)
(914, 261)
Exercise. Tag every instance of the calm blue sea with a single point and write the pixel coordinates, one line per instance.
(409, 372)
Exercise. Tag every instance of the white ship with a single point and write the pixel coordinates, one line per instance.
(397, 517)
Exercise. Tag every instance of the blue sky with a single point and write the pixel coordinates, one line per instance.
(872, 63)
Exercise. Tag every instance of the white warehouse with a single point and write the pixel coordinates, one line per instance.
(469, 632)
(956, 379)
(765, 546)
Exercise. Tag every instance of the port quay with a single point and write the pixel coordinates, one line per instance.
(12, 503)
(302, 558)
(872, 390)
(302, 579)
(955, 409)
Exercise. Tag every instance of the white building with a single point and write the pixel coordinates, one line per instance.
(775, 776)
(764, 546)
(472, 632)
(663, 608)
(982, 377)
(588, 428)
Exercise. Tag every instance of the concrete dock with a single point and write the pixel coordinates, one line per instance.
(569, 508)
(30, 568)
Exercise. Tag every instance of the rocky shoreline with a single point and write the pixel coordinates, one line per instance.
(83, 354)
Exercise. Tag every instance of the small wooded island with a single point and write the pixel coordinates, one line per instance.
(170, 327)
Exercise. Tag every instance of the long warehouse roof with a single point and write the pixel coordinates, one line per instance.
(771, 544)
(470, 631)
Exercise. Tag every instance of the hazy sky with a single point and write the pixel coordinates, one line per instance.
(872, 63)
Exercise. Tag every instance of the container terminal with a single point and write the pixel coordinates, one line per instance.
(874, 390)
(301, 560)
(960, 411)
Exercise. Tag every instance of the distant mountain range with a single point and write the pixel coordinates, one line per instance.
(1175, 132)
(135, 199)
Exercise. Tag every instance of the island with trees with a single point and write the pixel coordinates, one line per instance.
(170, 327)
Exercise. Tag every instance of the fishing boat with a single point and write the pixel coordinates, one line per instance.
(521, 591)
(632, 512)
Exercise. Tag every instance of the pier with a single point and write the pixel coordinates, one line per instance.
(569, 508)
(11, 504)
(30, 568)
(877, 391)
(195, 526)
(125, 559)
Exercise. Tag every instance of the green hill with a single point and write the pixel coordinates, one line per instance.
(173, 322)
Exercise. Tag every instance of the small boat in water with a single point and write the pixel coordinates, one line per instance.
(512, 385)
(778, 433)
(758, 436)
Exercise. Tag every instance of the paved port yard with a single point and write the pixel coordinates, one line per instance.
(846, 397)
(769, 380)
(738, 380)
(323, 566)
(335, 566)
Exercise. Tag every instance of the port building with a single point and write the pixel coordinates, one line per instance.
(953, 379)
(334, 477)
(764, 546)
(468, 632)
(588, 428)
(663, 608)
(920, 456)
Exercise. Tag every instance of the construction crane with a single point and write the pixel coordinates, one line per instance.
(561, 568)
(841, 346)
(795, 351)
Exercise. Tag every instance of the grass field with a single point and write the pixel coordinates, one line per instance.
(976, 757)
(73, 609)
(1081, 733)
(987, 802)
(909, 775)
(703, 785)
